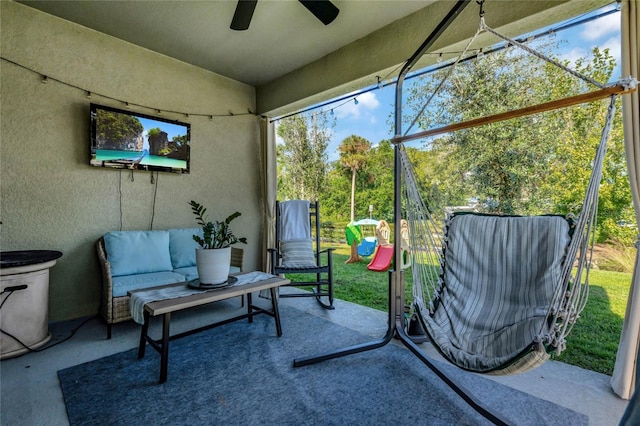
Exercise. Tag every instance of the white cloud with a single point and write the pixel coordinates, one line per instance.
(369, 100)
(574, 54)
(602, 27)
(348, 110)
(614, 46)
(366, 101)
(584, 51)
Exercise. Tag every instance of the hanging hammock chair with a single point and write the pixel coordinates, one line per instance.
(507, 289)
(493, 303)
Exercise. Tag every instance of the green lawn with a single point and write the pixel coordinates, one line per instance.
(592, 344)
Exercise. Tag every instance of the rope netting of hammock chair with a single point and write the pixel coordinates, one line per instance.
(428, 226)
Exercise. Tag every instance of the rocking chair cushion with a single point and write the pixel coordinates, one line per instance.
(297, 253)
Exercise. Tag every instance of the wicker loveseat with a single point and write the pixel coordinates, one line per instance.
(133, 260)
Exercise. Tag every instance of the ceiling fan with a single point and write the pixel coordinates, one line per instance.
(324, 10)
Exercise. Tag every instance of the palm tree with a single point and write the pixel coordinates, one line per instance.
(353, 156)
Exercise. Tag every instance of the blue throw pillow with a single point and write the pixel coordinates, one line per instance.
(137, 252)
(182, 247)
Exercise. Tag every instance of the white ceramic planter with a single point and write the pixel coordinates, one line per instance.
(213, 265)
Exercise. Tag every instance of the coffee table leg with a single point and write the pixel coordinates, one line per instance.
(143, 335)
(164, 354)
(276, 311)
(250, 307)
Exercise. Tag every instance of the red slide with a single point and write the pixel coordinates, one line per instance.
(381, 259)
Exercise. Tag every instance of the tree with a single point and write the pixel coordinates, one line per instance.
(353, 156)
(502, 162)
(376, 185)
(118, 131)
(335, 195)
(302, 165)
(529, 165)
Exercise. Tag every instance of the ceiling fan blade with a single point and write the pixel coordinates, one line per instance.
(244, 13)
(324, 10)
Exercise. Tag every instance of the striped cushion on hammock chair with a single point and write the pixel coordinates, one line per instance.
(499, 278)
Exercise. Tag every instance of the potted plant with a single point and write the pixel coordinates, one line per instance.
(213, 258)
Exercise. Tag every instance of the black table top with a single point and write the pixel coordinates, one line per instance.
(10, 259)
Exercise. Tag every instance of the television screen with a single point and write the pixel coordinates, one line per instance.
(127, 140)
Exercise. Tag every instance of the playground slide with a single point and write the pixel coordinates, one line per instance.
(381, 259)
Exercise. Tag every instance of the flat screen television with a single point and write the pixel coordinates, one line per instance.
(126, 140)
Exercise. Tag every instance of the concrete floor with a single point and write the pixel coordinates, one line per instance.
(31, 395)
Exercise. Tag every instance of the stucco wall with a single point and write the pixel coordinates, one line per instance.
(52, 199)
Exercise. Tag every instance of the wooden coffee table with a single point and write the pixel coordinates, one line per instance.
(168, 306)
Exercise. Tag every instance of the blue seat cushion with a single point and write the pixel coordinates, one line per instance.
(125, 283)
(137, 252)
(190, 273)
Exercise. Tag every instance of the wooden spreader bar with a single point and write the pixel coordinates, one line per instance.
(534, 109)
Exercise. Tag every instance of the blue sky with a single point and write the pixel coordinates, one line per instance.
(369, 118)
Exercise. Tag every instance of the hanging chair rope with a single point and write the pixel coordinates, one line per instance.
(539, 55)
(571, 298)
(444, 79)
(429, 242)
(622, 86)
(425, 235)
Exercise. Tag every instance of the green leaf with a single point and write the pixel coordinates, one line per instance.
(215, 234)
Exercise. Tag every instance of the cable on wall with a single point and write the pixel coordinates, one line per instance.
(90, 94)
(120, 195)
(155, 194)
(154, 181)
